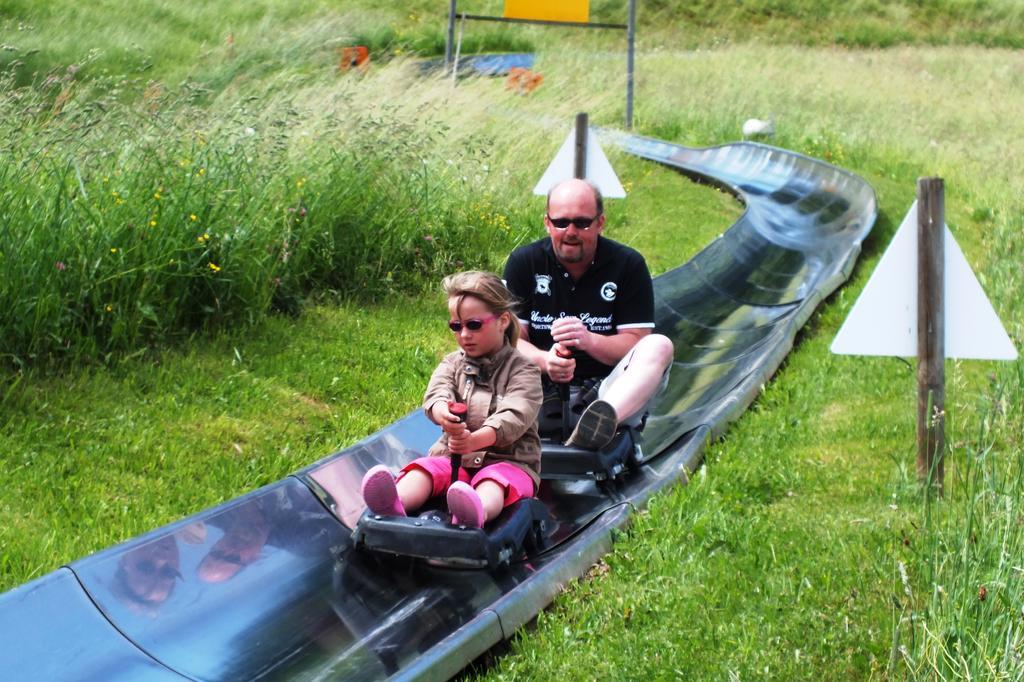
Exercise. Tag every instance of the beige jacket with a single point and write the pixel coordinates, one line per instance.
(502, 391)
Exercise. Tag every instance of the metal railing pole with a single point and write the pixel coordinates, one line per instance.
(449, 42)
(630, 51)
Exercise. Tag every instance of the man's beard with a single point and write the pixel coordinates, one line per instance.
(576, 256)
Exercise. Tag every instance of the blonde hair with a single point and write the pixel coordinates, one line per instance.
(488, 288)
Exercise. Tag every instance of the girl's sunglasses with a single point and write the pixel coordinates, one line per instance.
(473, 325)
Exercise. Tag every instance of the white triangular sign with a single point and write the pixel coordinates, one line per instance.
(599, 171)
(884, 319)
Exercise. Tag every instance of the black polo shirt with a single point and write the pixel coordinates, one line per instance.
(614, 293)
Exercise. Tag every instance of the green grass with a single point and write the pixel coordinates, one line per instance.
(204, 218)
(961, 616)
(786, 555)
(783, 560)
(105, 453)
(781, 557)
(216, 44)
(859, 23)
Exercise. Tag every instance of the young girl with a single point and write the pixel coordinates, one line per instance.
(498, 443)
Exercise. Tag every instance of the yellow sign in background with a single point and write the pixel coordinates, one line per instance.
(548, 10)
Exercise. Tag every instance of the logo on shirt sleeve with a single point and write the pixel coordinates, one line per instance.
(543, 285)
(608, 290)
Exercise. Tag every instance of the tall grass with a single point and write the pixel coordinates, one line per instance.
(136, 212)
(173, 42)
(960, 613)
(857, 23)
(131, 224)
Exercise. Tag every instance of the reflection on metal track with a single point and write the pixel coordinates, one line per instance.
(266, 586)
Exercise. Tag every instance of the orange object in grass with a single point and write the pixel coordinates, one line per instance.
(523, 80)
(357, 56)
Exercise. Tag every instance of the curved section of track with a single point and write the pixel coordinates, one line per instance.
(734, 309)
(267, 585)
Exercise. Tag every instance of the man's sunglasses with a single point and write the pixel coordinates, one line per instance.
(580, 223)
(473, 325)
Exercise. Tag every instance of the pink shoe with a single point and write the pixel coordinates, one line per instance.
(380, 493)
(465, 505)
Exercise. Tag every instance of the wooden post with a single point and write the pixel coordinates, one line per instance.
(931, 350)
(580, 164)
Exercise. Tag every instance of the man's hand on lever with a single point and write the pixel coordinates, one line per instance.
(560, 363)
(571, 333)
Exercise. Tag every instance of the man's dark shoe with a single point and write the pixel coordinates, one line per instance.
(596, 426)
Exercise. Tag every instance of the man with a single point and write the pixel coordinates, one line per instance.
(592, 297)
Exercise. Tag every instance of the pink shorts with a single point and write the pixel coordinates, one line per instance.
(516, 482)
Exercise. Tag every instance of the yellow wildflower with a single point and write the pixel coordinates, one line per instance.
(152, 223)
(192, 217)
(113, 250)
(214, 267)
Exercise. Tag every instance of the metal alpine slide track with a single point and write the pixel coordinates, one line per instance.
(268, 586)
